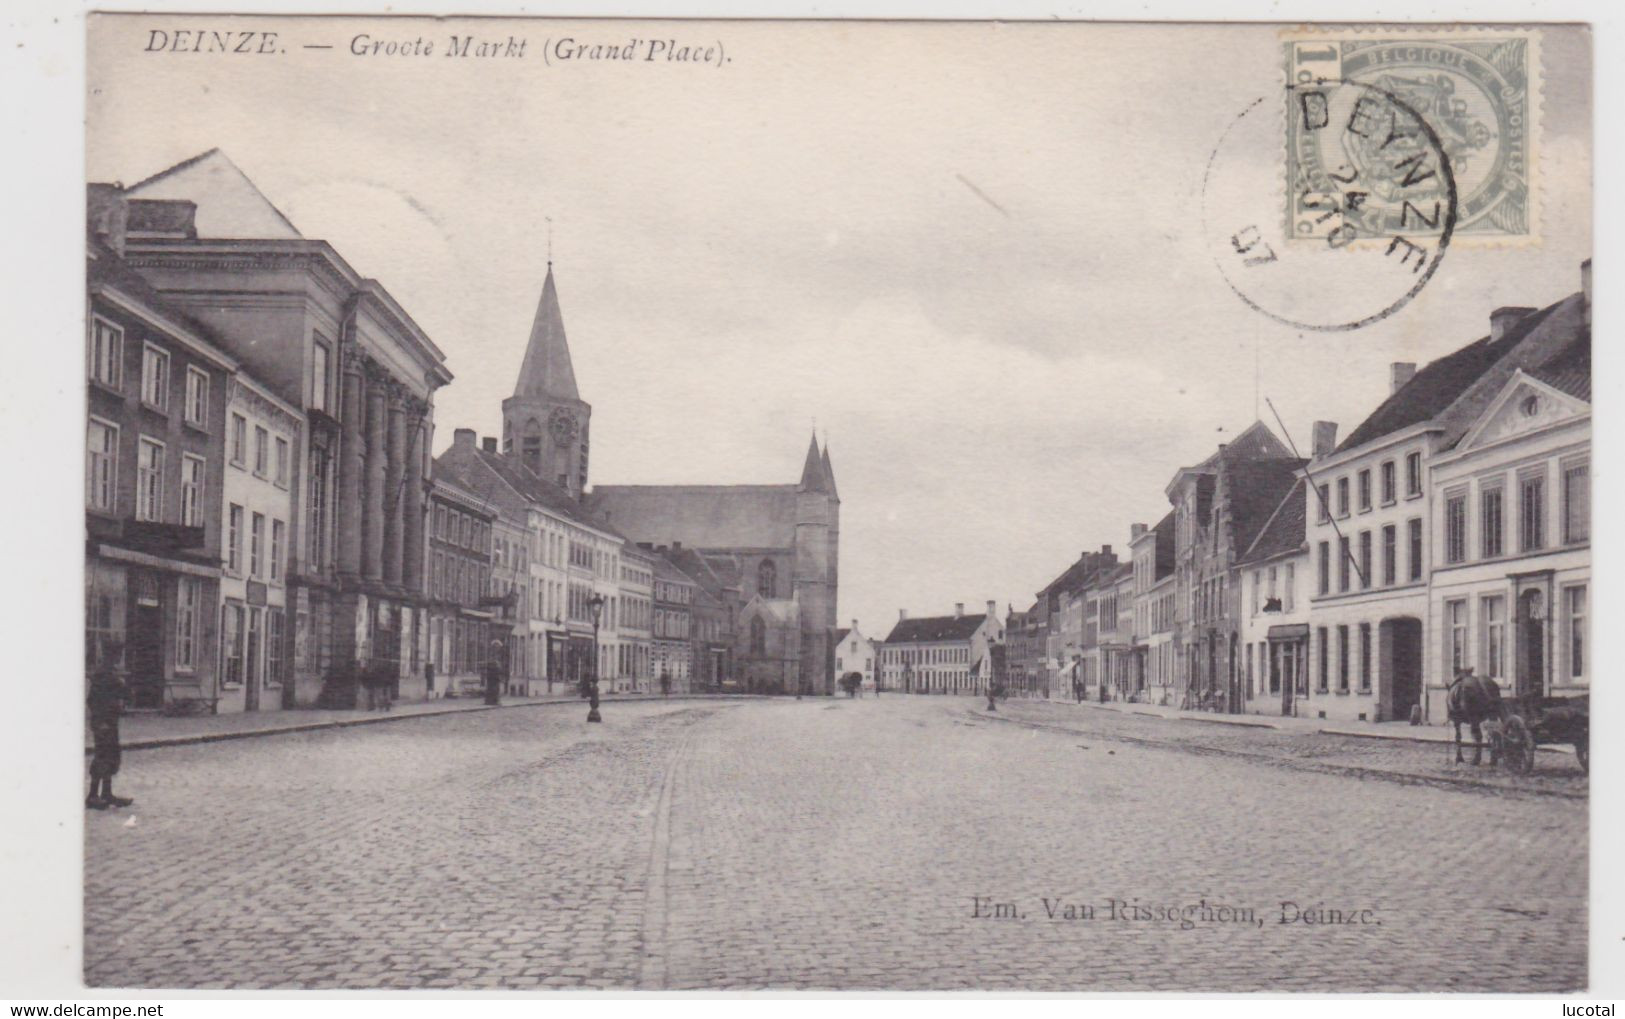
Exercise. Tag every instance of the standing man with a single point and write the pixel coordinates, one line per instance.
(493, 674)
(105, 701)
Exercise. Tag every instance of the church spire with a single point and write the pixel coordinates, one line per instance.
(829, 472)
(547, 370)
(812, 471)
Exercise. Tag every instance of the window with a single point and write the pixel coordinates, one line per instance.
(192, 472)
(197, 397)
(1389, 486)
(1414, 526)
(155, 377)
(1324, 509)
(1365, 657)
(318, 376)
(277, 536)
(256, 540)
(252, 653)
(239, 439)
(1325, 567)
(231, 643)
(1489, 521)
(316, 524)
(1343, 561)
(1322, 640)
(262, 451)
(234, 538)
(1494, 614)
(1532, 513)
(1365, 489)
(1342, 659)
(101, 465)
(1365, 559)
(767, 579)
(149, 480)
(1455, 615)
(1413, 473)
(106, 353)
(1574, 623)
(281, 461)
(1455, 529)
(1576, 503)
(273, 647)
(1342, 497)
(188, 599)
(1291, 585)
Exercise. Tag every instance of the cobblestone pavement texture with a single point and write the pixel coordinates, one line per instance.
(813, 845)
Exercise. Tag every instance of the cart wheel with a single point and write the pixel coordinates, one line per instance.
(1582, 751)
(1517, 746)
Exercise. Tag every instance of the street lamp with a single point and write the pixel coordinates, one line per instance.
(595, 605)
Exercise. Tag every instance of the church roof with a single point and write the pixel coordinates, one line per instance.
(547, 370)
(829, 472)
(701, 516)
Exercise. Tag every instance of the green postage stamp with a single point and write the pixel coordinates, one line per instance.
(1417, 133)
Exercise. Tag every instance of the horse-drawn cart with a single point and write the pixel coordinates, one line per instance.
(1534, 721)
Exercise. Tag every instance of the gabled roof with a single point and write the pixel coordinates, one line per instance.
(1165, 546)
(1569, 370)
(229, 205)
(667, 571)
(840, 635)
(696, 566)
(1432, 390)
(547, 370)
(934, 628)
(526, 484)
(780, 611)
(1284, 531)
(1255, 489)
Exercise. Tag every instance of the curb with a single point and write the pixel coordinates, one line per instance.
(158, 742)
(1447, 741)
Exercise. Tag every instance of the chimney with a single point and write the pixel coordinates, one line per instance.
(1585, 288)
(463, 437)
(1136, 532)
(854, 624)
(1105, 551)
(959, 609)
(1503, 319)
(902, 615)
(992, 609)
(1399, 373)
(489, 444)
(1323, 438)
(677, 546)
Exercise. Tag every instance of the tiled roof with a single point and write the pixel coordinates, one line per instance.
(1569, 371)
(1433, 389)
(840, 635)
(1255, 488)
(934, 628)
(1285, 530)
(1165, 546)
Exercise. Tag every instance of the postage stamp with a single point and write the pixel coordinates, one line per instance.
(1477, 91)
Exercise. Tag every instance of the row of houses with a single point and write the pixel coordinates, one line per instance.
(1450, 530)
(267, 528)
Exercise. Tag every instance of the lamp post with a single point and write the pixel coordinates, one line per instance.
(595, 605)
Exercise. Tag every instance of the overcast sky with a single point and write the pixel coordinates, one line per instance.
(971, 253)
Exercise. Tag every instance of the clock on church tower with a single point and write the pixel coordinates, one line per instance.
(561, 425)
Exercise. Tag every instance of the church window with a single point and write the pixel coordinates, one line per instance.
(767, 579)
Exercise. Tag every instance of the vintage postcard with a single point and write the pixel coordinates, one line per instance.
(836, 506)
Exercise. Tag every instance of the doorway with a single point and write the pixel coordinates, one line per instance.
(1531, 644)
(1399, 658)
(144, 629)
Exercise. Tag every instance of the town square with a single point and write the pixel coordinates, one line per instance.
(1022, 517)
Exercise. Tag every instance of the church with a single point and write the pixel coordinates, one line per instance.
(775, 548)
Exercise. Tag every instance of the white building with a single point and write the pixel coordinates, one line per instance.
(1368, 512)
(856, 653)
(1512, 536)
(1152, 553)
(262, 434)
(1275, 611)
(939, 654)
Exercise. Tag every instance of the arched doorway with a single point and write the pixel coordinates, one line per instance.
(1399, 668)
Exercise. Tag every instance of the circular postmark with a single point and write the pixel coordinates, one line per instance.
(1356, 225)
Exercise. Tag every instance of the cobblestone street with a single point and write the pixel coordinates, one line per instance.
(830, 844)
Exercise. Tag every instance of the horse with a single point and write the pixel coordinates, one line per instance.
(1474, 700)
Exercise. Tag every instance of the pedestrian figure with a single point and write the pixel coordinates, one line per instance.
(665, 685)
(428, 677)
(105, 701)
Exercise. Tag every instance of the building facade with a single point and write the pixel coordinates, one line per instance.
(1274, 578)
(856, 653)
(1152, 555)
(461, 622)
(940, 654)
(673, 636)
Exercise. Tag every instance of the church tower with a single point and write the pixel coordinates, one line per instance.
(817, 530)
(545, 422)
